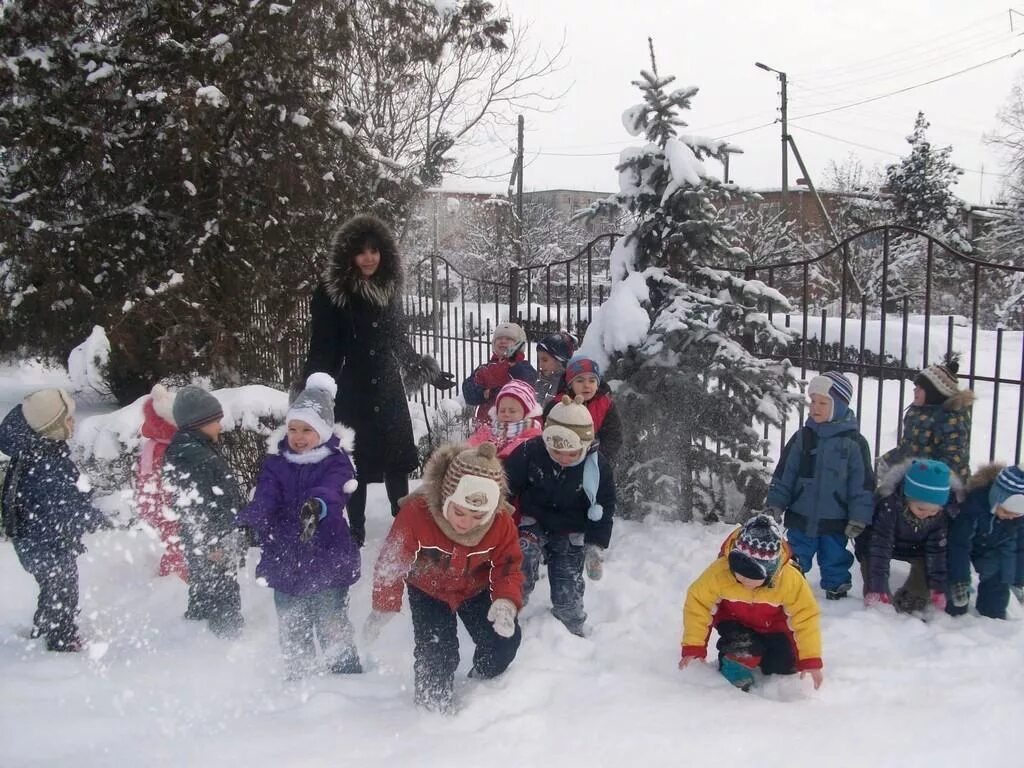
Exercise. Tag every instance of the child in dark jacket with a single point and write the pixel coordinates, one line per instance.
(508, 361)
(453, 546)
(759, 601)
(207, 498)
(914, 505)
(824, 485)
(566, 496)
(987, 532)
(937, 425)
(583, 379)
(553, 353)
(297, 516)
(47, 508)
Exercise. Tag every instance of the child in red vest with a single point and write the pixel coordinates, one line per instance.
(154, 503)
(583, 379)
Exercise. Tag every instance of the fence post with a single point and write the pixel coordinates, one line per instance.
(513, 295)
(435, 318)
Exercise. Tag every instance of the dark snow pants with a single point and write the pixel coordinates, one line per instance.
(56, 573)
(565, 573)
(436, 651)
(323, 616)
(771, 651)
(397, 486)
(214, 596)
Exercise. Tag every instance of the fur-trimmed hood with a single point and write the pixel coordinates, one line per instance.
(430, 490)
(961, 401)
(894, 476)
(344, 439)
(984, 477)
(342, 278)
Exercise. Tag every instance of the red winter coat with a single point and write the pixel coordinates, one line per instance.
(417, 551)
(153, 500)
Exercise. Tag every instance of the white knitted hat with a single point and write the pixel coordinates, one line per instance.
(569, 426)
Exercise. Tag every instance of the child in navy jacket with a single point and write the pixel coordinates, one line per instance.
(47, 508)
(508, 361)
(987, 533)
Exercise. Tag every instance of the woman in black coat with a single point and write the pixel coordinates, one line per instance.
(359, 337)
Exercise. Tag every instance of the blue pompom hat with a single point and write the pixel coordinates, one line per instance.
(927, 481)
(1008, 490)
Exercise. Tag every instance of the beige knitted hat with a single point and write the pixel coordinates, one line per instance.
(47, 412)
(569, 426)
(474, 480)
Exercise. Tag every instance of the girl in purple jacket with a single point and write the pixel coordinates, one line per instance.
(297, 516)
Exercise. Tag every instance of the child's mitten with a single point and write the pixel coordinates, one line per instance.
(854, 528)
(503, 616)
(593, 561)
(938, 599)
(493, 375)
(310, 515)
(375, 622)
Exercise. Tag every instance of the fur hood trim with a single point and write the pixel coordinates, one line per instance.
(985, 476)
(342, 279)
(894, 476)
(346, 442)
(430, 489)
(961, 401)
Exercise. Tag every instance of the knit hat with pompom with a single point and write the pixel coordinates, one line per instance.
(474, 480)
(315, 405)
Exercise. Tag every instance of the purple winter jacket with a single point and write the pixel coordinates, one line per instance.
(330, 559)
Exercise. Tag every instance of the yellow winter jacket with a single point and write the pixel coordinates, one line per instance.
(786, 605)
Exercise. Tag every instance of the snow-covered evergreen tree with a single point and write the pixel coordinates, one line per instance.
(678, 328)
(921, 188)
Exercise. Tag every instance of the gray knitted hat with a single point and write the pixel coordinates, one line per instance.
(194, 407)
(315, 405)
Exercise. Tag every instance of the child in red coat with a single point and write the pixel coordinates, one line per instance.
(455, 547)
(583, 379)
(508, 361)
(154, 503)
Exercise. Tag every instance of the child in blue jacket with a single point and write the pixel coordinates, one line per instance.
(988, 533)
(47, 508)
(824, 485)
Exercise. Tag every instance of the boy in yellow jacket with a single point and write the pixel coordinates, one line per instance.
(757, 598)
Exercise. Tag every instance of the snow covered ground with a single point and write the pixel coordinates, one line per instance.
(155, 690)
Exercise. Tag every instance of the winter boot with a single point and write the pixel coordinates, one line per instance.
(736, 672)
(347, 665)
(839, 592)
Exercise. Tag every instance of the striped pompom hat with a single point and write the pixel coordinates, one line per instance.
(1008, 490)
(757, 552)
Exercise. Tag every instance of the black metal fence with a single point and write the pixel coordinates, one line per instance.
(880, 305)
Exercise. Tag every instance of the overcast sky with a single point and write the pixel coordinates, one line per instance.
(834, 53)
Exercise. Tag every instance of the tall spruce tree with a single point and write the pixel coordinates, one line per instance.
(678, 329)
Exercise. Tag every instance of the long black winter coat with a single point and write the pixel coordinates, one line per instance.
(359, 338)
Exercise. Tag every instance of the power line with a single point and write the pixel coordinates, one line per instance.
(909, 87)
(885, 151)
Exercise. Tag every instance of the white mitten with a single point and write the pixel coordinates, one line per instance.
(503, 616)
(593, 561)
(376, 622)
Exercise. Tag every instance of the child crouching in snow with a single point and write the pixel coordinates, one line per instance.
(297, 515)
(454, 546)
(513, 419)
(47, 509)
(988, 532)
(915, 504)
(757, 598)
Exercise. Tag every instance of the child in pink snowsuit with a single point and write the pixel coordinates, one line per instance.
(513, 419)
(153, 501)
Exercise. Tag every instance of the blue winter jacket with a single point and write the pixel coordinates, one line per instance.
(46, 507)
(824, 478)
(976, 535)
